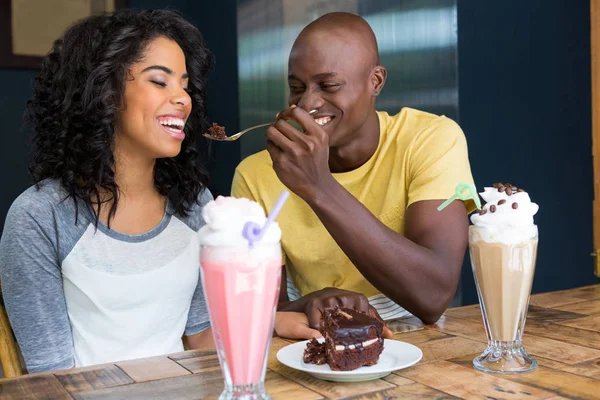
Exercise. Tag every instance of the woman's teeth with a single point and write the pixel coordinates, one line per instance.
(322, 120)
(173, 124)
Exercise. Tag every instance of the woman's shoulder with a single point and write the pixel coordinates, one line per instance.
(43, 196)
(193, 218)
(46, 203)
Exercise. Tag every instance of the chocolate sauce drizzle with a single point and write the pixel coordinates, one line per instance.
(352, 331)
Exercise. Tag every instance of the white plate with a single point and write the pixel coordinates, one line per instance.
(396, 355)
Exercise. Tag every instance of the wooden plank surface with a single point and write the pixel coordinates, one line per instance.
(92, 378)
(585, 307)
(562, 333)
(39, 386)
(209, 385)
(466, 382)
(209, 362)
(150, 369)
(590, 323)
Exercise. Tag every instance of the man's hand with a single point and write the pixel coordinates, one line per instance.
(332, 297)
(300, 159)
(294, 325)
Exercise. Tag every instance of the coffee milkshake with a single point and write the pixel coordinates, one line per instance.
(503, 246)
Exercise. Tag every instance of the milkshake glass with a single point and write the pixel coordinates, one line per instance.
(503, 247)
(241, 285)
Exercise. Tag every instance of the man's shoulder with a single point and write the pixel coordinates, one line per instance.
(410, 122)
(410, 127)
(260, 160)
(257, 168)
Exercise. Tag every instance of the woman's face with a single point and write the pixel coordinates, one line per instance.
(157, 104)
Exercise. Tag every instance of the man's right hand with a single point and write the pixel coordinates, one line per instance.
(318, 301)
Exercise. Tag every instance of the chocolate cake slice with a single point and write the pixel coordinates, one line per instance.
(315, 352)
(352, 339)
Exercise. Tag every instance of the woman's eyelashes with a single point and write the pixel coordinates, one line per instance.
(164, 84)
(159, 83)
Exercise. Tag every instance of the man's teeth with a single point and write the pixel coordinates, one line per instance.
(323, 120)
(172, 124)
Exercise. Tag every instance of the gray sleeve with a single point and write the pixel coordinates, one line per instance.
(198, 319)
(32, 284)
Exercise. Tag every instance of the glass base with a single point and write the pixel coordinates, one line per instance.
(505, 358)
(254, 391)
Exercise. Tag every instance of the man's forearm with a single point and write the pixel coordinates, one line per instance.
(412, 275)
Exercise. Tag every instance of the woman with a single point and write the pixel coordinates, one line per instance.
(99, 260)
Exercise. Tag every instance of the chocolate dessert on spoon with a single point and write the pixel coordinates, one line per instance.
(217, 132)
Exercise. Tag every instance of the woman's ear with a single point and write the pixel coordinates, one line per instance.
(378, 77)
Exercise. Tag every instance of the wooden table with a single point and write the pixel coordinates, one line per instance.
(562, 333)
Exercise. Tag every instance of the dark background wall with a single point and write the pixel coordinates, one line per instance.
(524, 104)
(525, 107)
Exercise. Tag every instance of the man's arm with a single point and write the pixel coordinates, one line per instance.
(419, 271)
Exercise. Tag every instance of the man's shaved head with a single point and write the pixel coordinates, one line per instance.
(334, 69)
(345, 27)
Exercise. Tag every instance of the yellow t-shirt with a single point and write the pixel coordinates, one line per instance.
(420, 156)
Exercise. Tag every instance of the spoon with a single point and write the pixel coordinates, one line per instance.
(239, 134)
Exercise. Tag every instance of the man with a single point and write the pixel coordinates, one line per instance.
(362, 217)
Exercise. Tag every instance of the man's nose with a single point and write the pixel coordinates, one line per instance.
(310, 101)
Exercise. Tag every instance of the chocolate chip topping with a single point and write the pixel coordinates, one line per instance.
(493, 208)
(501, 202)
(509, 188)
(515, 206)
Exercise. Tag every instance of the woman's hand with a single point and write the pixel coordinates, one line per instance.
(294, 325)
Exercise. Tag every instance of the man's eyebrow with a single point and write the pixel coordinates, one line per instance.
(325, 75)
(164, 69)
(322, 75)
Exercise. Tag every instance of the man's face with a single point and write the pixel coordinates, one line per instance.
(331, 75)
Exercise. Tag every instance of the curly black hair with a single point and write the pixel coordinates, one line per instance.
(79, 92)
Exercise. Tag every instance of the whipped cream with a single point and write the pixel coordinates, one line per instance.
(506, 217)
(225, 218)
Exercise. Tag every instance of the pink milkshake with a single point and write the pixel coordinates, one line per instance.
(241, 285)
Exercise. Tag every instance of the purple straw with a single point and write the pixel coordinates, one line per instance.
(252, 231)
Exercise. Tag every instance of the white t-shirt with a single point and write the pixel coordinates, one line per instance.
(77, 295)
